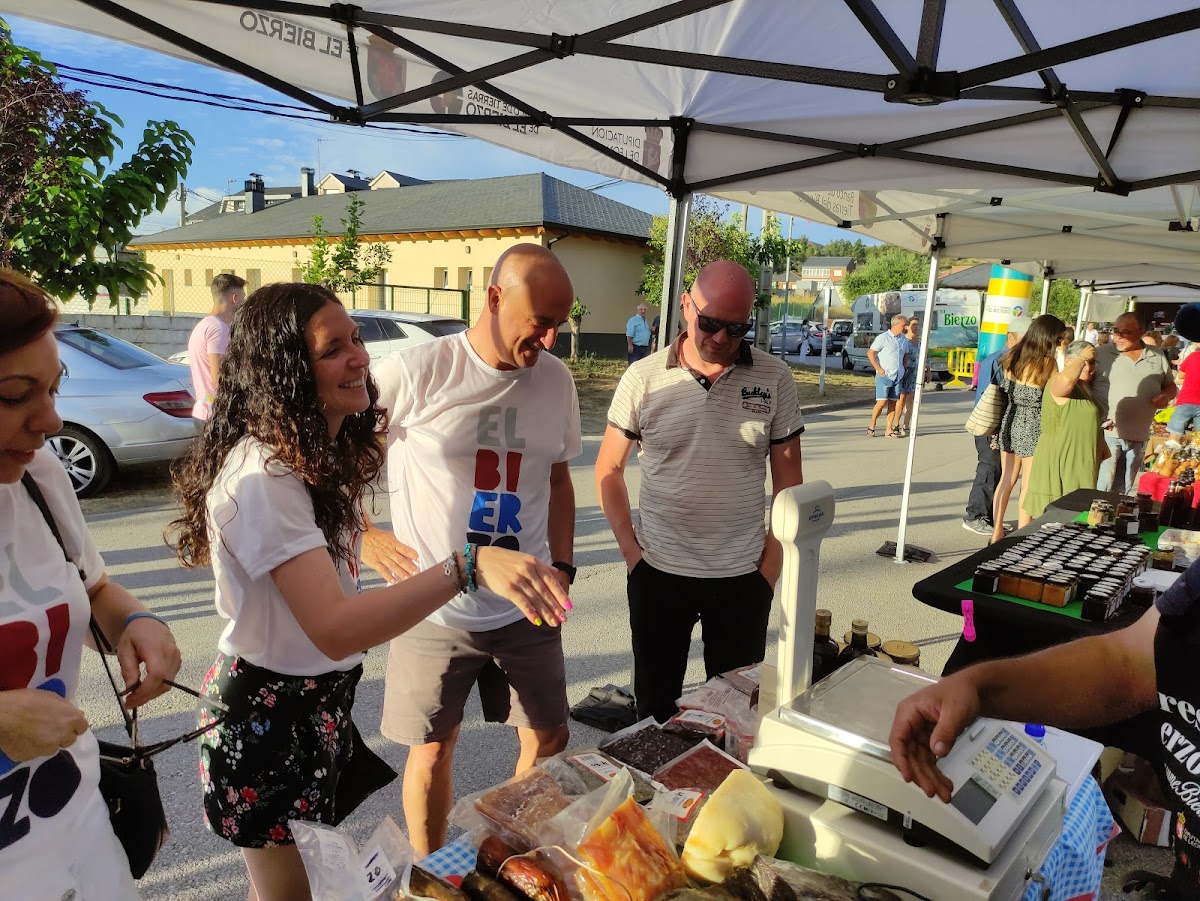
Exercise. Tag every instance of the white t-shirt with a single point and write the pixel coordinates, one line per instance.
(44, 612)
(469, 455)
(210, 336)
(260, 516)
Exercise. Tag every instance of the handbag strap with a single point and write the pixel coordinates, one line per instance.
(102, 643)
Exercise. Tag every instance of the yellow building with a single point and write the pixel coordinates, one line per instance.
(444, 238)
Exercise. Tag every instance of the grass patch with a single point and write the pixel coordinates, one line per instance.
(596, 379)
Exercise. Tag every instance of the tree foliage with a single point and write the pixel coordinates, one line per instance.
(885, 270)
(1064, 299)
(60, 200)
(578, 311)
(844, 247)
(346, 263)
(712, 237)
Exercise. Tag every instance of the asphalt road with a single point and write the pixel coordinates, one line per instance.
(866, 473)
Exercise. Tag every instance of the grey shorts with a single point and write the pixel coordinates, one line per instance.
(519, 669)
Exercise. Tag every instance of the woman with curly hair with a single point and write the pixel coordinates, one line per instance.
(1026, 367)
(272, 498)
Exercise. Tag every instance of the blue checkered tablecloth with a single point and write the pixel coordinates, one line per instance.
(454, 859)
(1075, 865)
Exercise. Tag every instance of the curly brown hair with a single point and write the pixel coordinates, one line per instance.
(268, 391)
(1032, 361)
(26, 311)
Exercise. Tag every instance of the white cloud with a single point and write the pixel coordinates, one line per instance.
(269, 143)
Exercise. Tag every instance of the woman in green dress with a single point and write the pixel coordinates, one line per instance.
(1071, 446)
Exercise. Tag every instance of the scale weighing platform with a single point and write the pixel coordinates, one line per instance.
(830, 744)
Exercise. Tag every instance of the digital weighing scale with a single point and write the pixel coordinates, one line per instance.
(847, 809)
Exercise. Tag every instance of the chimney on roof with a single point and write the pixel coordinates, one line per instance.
(308, 186)
(255, 193)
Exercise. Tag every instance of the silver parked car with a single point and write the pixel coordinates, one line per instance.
(120, 405)
(385, 332)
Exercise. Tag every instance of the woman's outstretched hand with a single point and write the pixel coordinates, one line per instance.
(531, 585)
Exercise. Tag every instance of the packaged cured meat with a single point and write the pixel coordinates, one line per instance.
(645, 747)
(680, 807)
(478, 887)
(745, 678)
(517, 809)
(718, 696)
(710, 725)
(590, 769)
(426, 885)
(813, 886)
(758, 882)
(703, 768)
(534, 877)
(739, 822)
(636, 862)
(493, 851)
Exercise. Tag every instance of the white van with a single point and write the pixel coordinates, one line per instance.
(956, 316)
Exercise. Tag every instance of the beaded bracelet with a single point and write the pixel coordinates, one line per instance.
(469, 551)
(142, 614)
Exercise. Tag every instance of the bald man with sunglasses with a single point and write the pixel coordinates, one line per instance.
(707, 413)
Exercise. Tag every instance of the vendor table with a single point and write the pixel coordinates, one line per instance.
(1007, 628)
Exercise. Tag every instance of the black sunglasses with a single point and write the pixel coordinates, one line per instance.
(144, 752)
(712, 324)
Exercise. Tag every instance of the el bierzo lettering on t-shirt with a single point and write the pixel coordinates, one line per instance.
(496, 507)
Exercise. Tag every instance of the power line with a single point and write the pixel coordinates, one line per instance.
(240, 105)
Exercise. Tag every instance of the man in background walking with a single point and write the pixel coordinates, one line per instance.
(209, 340)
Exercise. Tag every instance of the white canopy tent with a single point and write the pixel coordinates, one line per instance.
(822, 109)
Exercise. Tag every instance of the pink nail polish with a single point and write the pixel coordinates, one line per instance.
(569, 605)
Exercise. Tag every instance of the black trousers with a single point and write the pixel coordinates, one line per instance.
(987, 476)
(663, 609)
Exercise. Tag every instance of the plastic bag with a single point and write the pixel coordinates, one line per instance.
(703, 768)
(718, 696)
(338, 871)
(515, 810)
(636, 862)
(680, 809)
(580, 771)
(645, 747)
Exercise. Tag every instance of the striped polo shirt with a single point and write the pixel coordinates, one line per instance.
(703, 449)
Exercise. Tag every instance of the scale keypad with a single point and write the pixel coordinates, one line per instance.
(1007, 764)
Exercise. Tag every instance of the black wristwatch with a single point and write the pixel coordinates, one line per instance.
(567, 568)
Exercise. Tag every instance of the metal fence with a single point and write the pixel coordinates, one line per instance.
(182, 286)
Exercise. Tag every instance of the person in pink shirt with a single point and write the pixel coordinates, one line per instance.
(209, 340)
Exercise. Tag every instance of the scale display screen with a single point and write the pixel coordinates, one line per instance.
(973, 800)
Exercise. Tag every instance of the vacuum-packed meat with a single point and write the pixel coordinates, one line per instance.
(518, 808)
(636, 862)
(703, 767)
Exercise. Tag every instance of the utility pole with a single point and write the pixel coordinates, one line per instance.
(182, 204)
(321, 141)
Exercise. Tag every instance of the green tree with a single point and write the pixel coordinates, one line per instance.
(1064, 299)
(346, 263)
(578, 311)
(885, 271)
(712, 237)
(844, 247)
(61, 201)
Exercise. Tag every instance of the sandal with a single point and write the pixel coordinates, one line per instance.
(895, 433)
(1144, 886)
(871, 432)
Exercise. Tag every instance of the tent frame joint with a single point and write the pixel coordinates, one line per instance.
(562, 45)
(924, 87)
(1120, 187)
(345, 14)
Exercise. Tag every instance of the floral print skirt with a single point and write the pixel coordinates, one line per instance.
(288, 750)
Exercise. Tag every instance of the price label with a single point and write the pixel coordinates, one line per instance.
(598, 764)
(752, 673)
(377, 874)
(336, 852)
(712, 721)
(678, 804)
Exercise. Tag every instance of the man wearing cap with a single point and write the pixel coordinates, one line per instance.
(1095, 681)
(707, 413)
(1133, 381)
(978, 517)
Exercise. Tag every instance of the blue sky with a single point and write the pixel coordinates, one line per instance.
(231, 144)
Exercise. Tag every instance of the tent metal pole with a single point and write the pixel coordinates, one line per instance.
(926, 326)
(1045, 286)
(673, 255)
(1085, 299)
(825, 331)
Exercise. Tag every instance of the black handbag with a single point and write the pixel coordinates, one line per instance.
(128, 781)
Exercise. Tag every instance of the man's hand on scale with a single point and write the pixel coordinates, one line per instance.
(924, 730)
